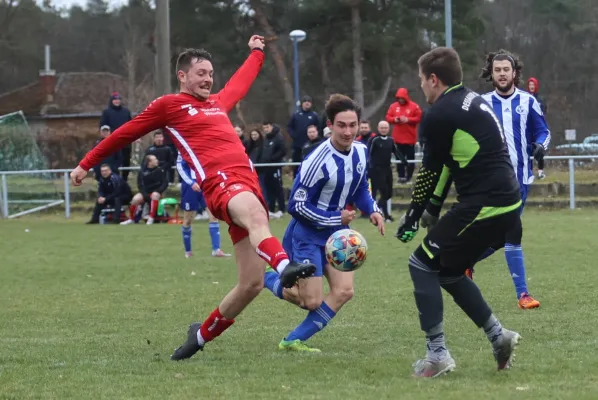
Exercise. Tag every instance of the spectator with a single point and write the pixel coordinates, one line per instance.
(114, 116)
(114, 160)
(314, 140)
(381, 149)
(533, 86)
(323, 125)
(166, 158)
(297, 128)
(152, 182)
(113, 192)
(365, 132)
(405, 115)
(254, 149)
(241, 136)
(273, 151)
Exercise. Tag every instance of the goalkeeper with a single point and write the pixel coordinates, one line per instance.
(463, 140)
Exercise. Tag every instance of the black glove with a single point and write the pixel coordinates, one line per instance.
(407, 229)
(538, 151)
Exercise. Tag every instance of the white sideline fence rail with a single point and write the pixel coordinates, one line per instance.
(47, 203)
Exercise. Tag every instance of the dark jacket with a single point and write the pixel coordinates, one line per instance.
(274, 148)
(311, 146)
(114, 160)
(113, 186)
(254, 150)
(164, 155)
(298, 124)
(365, 139)
(151, 180)
(380, 149)
(114, 117)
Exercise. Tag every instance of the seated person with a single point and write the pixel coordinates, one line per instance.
(166, 158)
(113, 192)
(114, 160)
(152, 182)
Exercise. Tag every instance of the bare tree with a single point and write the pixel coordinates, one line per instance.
(281, 69)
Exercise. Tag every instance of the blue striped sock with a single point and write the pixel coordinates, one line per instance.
(272, 282)
(215, 235)
(514, 256)
(316, 321)
(186, 230)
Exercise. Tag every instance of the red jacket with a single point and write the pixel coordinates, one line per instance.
(404, 132)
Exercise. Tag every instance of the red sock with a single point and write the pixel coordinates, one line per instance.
(272, 252)
(214, 325)
(132, 212)
(153, 208)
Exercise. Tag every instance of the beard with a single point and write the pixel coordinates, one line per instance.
(505, 88)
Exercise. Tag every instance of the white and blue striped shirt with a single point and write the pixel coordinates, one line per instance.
(523, 124)
(327, 181)
(187, 174)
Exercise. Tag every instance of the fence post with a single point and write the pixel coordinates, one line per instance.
(4, 197)
(572, 184)
(67, 196)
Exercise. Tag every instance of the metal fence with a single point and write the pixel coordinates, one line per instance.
(5, 200)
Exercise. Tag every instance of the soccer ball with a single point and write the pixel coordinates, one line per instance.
(346, 250)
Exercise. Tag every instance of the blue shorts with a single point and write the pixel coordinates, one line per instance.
(301, 251)
(190, 199)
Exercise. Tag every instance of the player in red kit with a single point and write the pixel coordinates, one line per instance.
(199, 126)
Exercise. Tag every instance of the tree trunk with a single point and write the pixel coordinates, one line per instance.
(357, 57)
(281, 69)
(326, 81)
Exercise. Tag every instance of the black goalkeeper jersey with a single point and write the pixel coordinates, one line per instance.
(463, 135)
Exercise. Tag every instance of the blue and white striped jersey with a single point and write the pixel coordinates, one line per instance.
(523, 124)
(327, 181)
(187, 174)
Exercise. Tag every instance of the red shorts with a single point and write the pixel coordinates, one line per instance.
(219, 189)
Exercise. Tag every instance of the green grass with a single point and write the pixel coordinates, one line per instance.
(95, 311)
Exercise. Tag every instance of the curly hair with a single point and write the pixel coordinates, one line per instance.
(502, 55)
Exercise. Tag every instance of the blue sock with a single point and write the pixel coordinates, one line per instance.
(489, 251)
(514, 256)
(272, 282)
(215, 235)
(186, 237)
(316, 321)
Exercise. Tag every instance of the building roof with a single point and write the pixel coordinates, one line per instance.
(75, 93)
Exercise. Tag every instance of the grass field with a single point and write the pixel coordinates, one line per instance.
(90, 312)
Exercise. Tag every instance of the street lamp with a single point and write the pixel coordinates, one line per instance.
(297, 36)
(448, 23)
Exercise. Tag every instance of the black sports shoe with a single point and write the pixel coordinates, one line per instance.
(190, 347)
(295, 271)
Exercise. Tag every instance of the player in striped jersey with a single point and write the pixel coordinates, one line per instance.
(333, 175)
(527, 135)
(190, 199)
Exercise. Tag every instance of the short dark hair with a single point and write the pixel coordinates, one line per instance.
(186, 57)
(502, 55)
(364, 121)
(158, 133)
(444, 62)
(338, 103)
(267, 122)
(311, 126)
(106, 166)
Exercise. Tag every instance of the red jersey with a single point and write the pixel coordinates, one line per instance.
(201, 130)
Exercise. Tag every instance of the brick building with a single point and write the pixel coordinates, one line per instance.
(63, 110)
